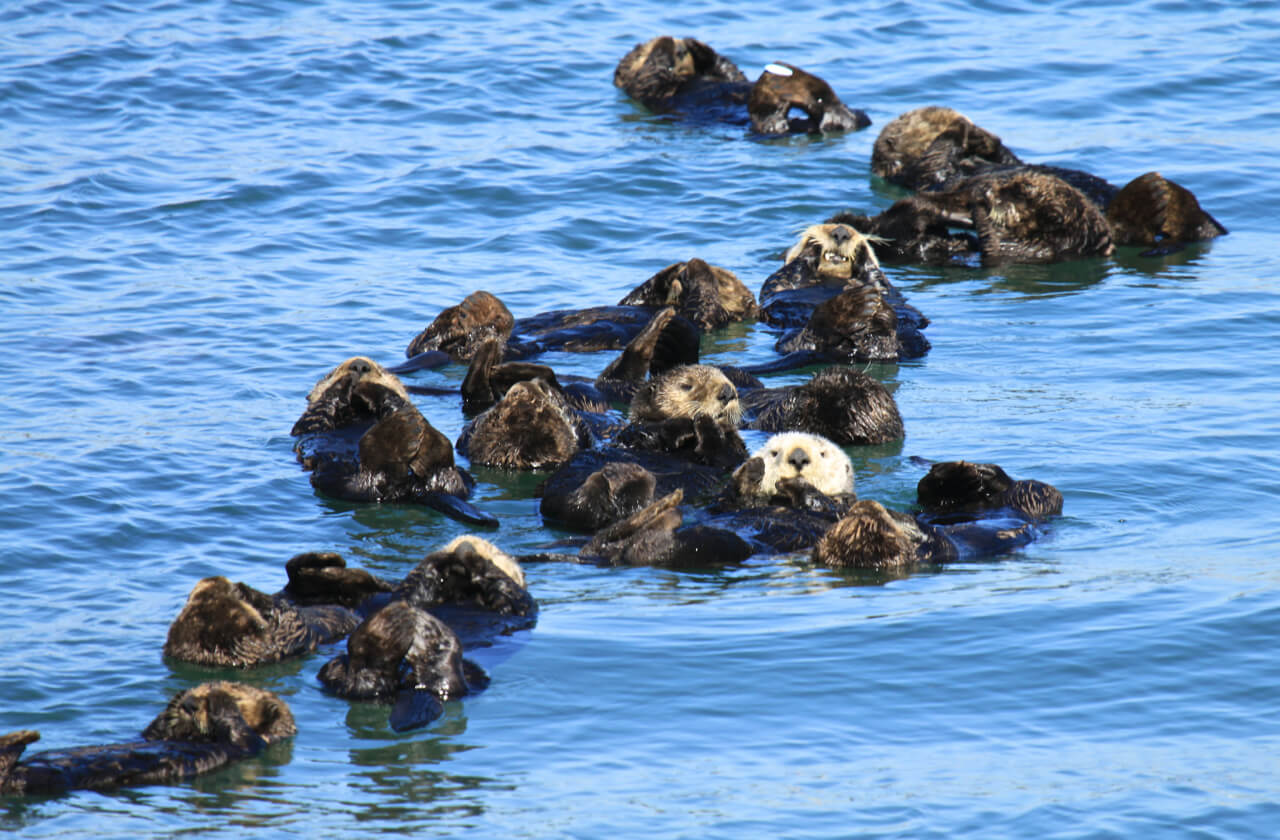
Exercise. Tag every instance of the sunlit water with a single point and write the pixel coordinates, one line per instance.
(206, 206)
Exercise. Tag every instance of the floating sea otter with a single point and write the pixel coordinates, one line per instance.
(837, 304)
(201, 729)
(704, 296)
(1021, 212)
(233, 625)
(969, 511)
(365, 442)
(839, 403)
(685, 76)
(405, 656)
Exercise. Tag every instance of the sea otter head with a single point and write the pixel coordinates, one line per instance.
(953, 141)
(783, 87)
(223, 712)
(802, 455)
(460, 330)
(689, 391)
(707, 295)
(656, 70)
(836, 252)
(222, 623)
(531, 427)
(358, 370)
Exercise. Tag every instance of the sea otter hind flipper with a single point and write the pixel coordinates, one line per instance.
(11, 747)
(414, 709)
(459, 509)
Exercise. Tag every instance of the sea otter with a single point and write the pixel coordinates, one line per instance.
(957, 489)
(871, 320)
(904, 152)
(937, 149)
(201, 729)
(969, 511)
(687, 77)
(787, 493)
(869, 536)
(358, 391)
(405, 656)
(323, 577)
(233, 625)
(613, 492)
(474, 587)
(692, 411)
(840, 403)
(657, 536)
(363, 441)
(531, 427)
(704, 296)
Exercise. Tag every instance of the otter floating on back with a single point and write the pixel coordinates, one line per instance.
(687, 77)
(201, 729)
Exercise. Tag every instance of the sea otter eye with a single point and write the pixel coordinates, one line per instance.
(773, 453)
(687, 386)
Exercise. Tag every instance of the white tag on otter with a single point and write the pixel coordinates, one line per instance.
(777, 69)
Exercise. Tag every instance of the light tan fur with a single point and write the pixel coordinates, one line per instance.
(838, 254)
(362, 367)
(827, 468)
(688, 391)
(508, 564)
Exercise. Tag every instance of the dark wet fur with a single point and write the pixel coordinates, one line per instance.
(840, 403)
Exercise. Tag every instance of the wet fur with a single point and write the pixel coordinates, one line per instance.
(232, 625)
(200, 729)
(840, 403)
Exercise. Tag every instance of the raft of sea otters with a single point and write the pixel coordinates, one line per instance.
(668, 481)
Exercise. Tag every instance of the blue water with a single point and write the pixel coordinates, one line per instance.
(207, 205)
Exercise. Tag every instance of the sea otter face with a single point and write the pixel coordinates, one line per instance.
(208, 712)
(836, 252)
(690, 391)
(811, 457)
(707, 295)
(357, 369)
(782, 87)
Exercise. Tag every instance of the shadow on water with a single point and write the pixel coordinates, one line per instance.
(1028, 280)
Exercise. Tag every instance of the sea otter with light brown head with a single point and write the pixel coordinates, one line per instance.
(201, 729)
(685, 76)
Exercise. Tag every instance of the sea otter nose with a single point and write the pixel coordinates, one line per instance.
(798, 458)
(727, 393)
(840, 234)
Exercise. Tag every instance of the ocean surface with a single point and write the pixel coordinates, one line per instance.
(207, 205)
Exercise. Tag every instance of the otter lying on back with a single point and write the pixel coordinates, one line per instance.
(705, 297)
(969, 511)
(838, 304)
(685, 76)
(1022, 212)
(405, 656)
(201, 729)
(365, 442)
(839, 403)
(232, 625)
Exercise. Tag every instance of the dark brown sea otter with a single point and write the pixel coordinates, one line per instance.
(840, 403)
(685, 76)
(201, 729)
(233, 625)
(365, 442)
(403, 655)
(869, 536)
(704, 296)
(657, 536)
(532, 427)
(939, 150)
